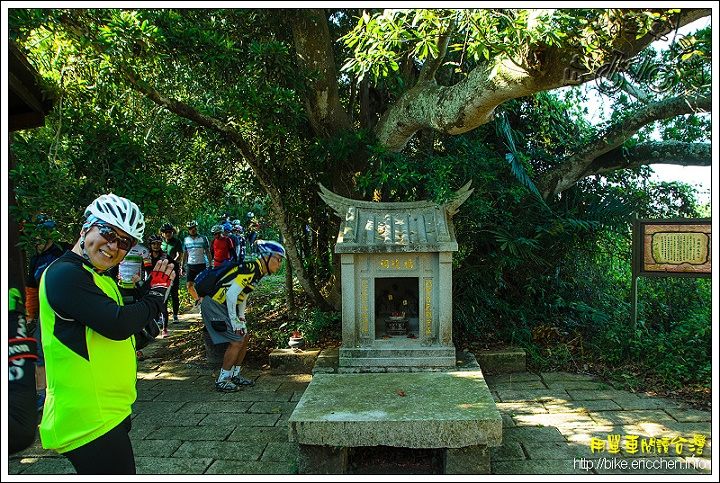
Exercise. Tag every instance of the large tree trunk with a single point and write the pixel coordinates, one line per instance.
(326, 114)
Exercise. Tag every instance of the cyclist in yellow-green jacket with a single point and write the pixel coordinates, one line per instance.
(88, 340)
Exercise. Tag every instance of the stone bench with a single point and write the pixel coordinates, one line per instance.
(450, 410)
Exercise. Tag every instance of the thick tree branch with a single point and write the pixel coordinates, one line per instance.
(452, 110)
(617, 134)
(655, 152)
(627, 42)
(580, 164)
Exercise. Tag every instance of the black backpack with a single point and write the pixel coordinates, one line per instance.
(207, 281)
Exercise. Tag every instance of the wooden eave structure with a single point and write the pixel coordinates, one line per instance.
(27, 107)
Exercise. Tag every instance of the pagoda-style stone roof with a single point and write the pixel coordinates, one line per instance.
(375, 227)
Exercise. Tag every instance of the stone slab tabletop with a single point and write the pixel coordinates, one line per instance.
(413, 410)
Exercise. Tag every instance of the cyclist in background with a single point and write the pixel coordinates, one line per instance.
(240, 248)
(156, 254)
(196, 257)
(220, 247)
(173, 247)
(224, 313)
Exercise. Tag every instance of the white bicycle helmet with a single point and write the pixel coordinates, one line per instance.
(216, 229)
(269, 247)
(120, 212)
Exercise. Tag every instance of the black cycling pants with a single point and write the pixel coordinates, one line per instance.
(175, 294)
(110, 454)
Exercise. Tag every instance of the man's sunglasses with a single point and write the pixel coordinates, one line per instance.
(111, 236)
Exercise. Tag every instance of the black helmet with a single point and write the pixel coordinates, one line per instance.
(167, 227)
(154, 239)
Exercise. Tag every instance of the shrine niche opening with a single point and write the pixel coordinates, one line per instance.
(396, 307)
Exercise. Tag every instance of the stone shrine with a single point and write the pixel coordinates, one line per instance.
(396, 262)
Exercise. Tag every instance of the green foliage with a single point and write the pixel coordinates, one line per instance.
(671, 340)
(268, 297)
(565, 265)
(315, 324)
(519, 163)
(103, 137)
(683, 69)
(381, 40)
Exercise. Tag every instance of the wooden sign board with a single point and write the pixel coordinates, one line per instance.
(672, 248)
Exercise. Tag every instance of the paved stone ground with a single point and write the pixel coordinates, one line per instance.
(560, 423)
(554, 423)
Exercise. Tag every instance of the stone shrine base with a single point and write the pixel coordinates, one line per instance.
(397, 354)
(450, 410)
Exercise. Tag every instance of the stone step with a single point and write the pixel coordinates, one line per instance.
(502, 361)
(396, 358)
(326, 361)
(347, 353)
(288, 361)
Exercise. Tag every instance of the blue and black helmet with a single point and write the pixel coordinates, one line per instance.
(269, 247)
(44, 222)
